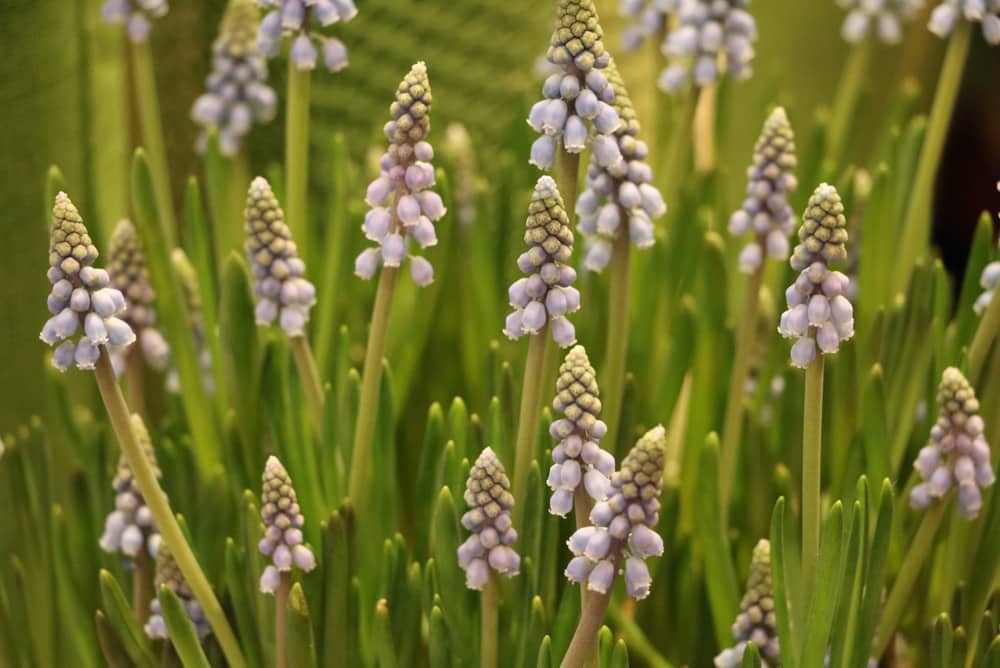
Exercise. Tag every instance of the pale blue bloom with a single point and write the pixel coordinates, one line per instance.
(487, 493)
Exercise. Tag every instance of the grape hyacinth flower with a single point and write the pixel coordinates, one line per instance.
(547, 294)
(886, 16)
(282, 292)
(578, 92)
(619, 193)
(623, 523)
(989, 280)
(81, 295)
(818, 312)
(168, 575)
(957, 453)
(765, 210)
(135, 14)
(757, 621)
(579, 458)
(710, 35)
(947, 14)
(487, 493)
(283, 523)
(298, 20)
(129, 528)
(237, 94)
(647, 19)
(407, 174)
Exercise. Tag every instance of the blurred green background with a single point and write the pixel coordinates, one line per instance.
(63, 100)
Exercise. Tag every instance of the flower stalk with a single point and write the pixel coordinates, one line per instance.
(812, 446)
(297, 149)
(490, 619)
(281, 621)
(312, 386)
(530, 412)
(616, 354)
(848, 92)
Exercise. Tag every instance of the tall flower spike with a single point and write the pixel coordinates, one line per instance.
(237, 94)
(299, 21)
(283, 523)
(947, 14)
(487, 493)
(577, 92)
(757, 621)
(282, 292)
(403, 207)
(135, 14)
(623, 523)
(621, 192)
(818, 311)
(547, 294)
(168, 575)
(957, 453)
(129, 528)
(647, 19)
(989, 280)
(711, 35)
(766, 211)
(578, 458)
(80, 296)
(885, 16)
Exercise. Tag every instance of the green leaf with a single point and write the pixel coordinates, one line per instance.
(619, 657)
(335, 255)
(241, 589)
(826, 588)
(382, 637)
(605, 645)
(111, 646)
(339, 628)
(786, 630)
(875, 574)
(182, 632)
(751, 657)
(545, 654)
(980, 253)
(122, 620)
(993, 654)
(438, 640)
(301, 646)
(454, 595)
(942, 640)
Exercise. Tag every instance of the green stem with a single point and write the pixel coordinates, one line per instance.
(986, 332)
(812, 444)
(568, 180)
(490, 617)
(848, 91)
(145, 478)
(142, 585)
(134, 381)
(281, 621)
(616, 353)
(703, 129)
(581, 514)
(312, 387)
(297, 154)
(585, 638)
(531, 408)
(915, 225)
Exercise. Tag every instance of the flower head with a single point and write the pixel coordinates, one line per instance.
(81, 295)
(487, 493)
(947, 14)
(711, 36)
(129, 528)
(300, 21)
(283, 522)
(168, 575)
(135, 15)
(546, 295)
(989, 280)
(886, 17)
(957, 453)
(766, 211)
(647, 19)
(757, 621)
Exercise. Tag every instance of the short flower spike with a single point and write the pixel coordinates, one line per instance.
(708, 32)
(487, 493)
(756, 622)
(646, 19)
(283, 522)
(129, 528)
(884, 17)
(168, 575)
(986, 12)
(135, 14)
(989, 280)
(300, 21)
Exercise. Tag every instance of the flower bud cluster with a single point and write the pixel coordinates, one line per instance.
(129, 528)
(282, 291)
(237, 94)
(135, 14)
(578, 92)
(711, 36)
(620, 192)
(547, 294)
(578, 458)
(757, 621)
(402, 205)
(168, 575)
(283, 521)
(487, 493)
(298, 20)
(623, 523)
(886, 16)
(818, 311)
(766, 210)
(947, 14)
(81, 295)
(957, 453)
(647, 19)
(989, 280)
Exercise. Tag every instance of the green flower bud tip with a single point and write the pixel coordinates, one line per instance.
(823, 234)
(487, 493)
(130, 528)
(168, 575)
(578, 37)
(757, 621)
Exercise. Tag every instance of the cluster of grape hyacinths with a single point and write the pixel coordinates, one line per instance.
(647, 18)
(129, 528)
(168, 575)
(621, 192)
(135, 14)
(297, 20)
(886, 16)
(487, 493)
(81, 295)
(402, 206)
(283, 523)
(756, 622)
(947, 14)
(237, 94)
(623, 523)
(989, 280)
(710, 34)
(578, 458)
(547, 294)
(283, 294)
(577, 92)
(957, 453)
(766, 210)
(818, 312)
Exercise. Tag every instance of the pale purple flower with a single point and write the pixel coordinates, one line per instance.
(646, 19)
(757, 620)
(706, 30)
(302, 22)
(169, 575)
(881, 18)
(487, 493)
(283, 522)
(985, 12)
(135, 15)
(989, 280)
(129, 529)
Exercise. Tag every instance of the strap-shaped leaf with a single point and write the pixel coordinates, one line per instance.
(182, 632)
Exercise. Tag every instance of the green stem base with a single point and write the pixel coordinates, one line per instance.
(531, 408)
(812, 445)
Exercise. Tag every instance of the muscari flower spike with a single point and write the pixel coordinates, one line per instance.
(299, 20)
(487, 493)
(946, 15)
(989, 280)
(405, 179)
(135, 14)
(756, 622)
(647, 19)
(130, 528)
(81, 295)
(765, 210)
(578, 92)
(578, 458)
(886, 16)
(169, 575)
(623, 523)
(619, 193)
(547, 294)
(957, 452)
(237, 94)
(283, 523)
(710, 34)
(282, 292)
(818, 312)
